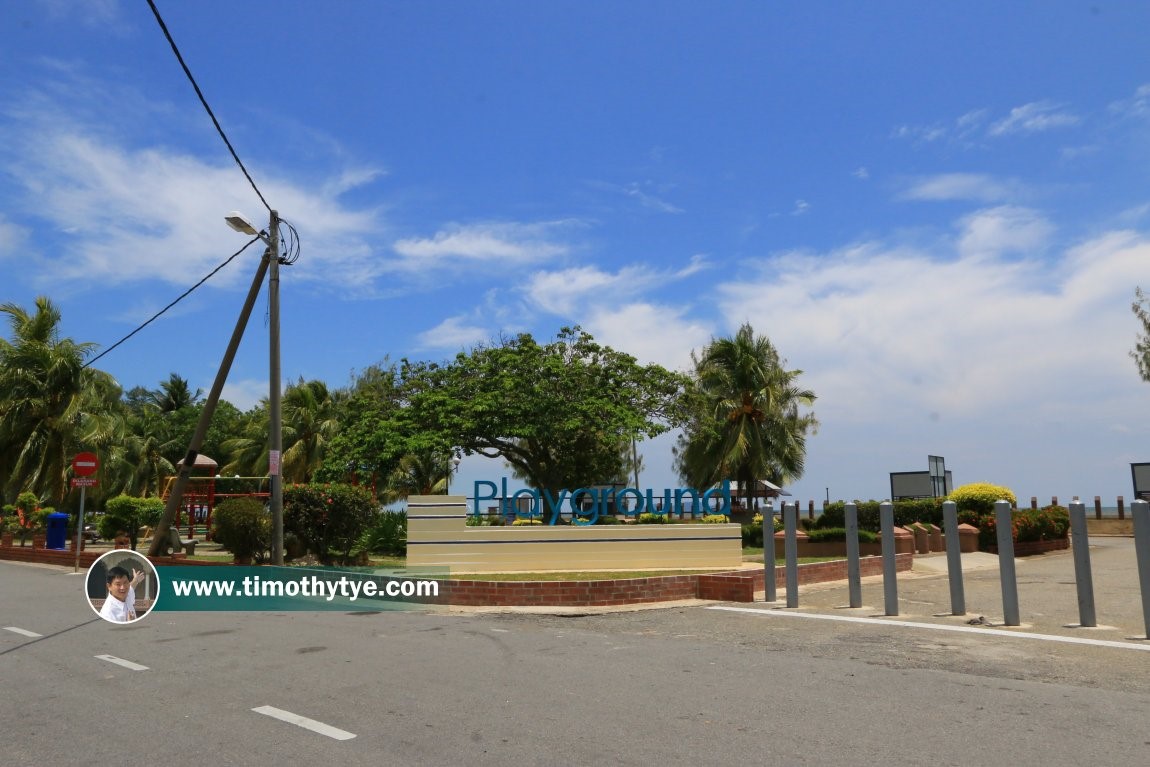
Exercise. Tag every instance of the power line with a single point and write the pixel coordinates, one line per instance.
(204, 101)
(184, 295)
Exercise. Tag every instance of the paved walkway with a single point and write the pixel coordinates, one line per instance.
(1047, 594)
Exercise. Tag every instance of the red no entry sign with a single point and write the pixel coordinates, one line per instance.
(85, 464)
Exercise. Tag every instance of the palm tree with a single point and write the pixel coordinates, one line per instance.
(50, 403)
(310, 421)
(746, 424)
(423, 472)
(174, 394)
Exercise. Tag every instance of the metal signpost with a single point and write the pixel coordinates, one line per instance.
(84, 468)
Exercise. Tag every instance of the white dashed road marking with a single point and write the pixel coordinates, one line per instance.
(23, 632)
(939, 627)
(121, 662)
(304, 722)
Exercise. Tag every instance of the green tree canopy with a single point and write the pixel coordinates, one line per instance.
(746, 422)
(558, 413)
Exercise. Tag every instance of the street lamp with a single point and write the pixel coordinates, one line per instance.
(240, 223)
(454, 468)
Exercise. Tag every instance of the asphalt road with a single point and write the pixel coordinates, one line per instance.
(689, 685)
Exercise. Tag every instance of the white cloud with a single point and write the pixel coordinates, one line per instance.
(1015, 369)
(801, 207)
(492, 242)
(454, 334)
(1035, 117)
(1137, 105)
(649, 200)
(135, 213)
(1003, 230)
(959, 186)
(861, 173)
(12, 237)
(569, 292)
(245, 393)
(652, 333)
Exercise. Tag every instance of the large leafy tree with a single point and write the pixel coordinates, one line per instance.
(747, 422)
(50, 404)
(557, 412)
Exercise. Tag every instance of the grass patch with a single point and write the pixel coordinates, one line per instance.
(752, 554)
(578, 576)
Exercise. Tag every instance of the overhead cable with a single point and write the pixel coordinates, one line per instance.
(184, 295)
(204, 101)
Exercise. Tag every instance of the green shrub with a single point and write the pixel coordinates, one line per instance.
(926, 510)
(128, 514)
(652, 519)
(980, 497)
(328, 518)
(387, 535)
(490, 519)
(753, 535)
(243, 527)
(715, 519)
(526, 521)
(830, 534)
(607, 519)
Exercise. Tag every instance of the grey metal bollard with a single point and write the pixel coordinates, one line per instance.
(769, 586)
(954, 558)
(1003, 521)
(854, 571)
(791, 549)
(889, 563)
(1140, 511)
(1083, 579)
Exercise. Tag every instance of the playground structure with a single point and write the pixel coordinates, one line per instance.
(203, 493)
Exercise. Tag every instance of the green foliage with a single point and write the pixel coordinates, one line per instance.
(715, 519)
(558, 413)
(386, 535)
(128, 514)
(652, 519)
(524, 522)
(745, 421)
(490, 519)
(753, 535)
(607, 519)
(1049, 523)
(825, 534)
(243, 527)
(928, 510)
(328, 519)
(980, 497)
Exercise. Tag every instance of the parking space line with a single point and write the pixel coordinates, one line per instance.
(304, 722)
(23, 632)
(938, 627)
(121, 662)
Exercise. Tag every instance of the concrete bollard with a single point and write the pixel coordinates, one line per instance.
(769, 588)
(1140, 510)
(934, 533)
(1121, 507)
(889, 563)
(921, 538)
(954, 558)
(854, 569)
(791, 547)
(1006, 573)
(1083, 579)
(1098, 507)
(967, 538)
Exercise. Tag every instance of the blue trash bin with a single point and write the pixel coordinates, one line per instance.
(57, 533)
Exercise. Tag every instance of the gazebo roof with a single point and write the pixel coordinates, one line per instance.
(202, 462)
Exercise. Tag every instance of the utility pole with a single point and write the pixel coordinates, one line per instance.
(275, 418)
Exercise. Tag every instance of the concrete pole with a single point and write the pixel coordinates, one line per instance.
(275, 414)
(160, 536)
(1083, 579)
(1140, 510)
(1009, 580)
(769, 586)
(791, 547)
(954, 558)
(889, 563)
(854, 569)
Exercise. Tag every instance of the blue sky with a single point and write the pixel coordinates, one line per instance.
(938, 211)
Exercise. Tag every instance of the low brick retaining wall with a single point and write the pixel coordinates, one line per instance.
(1028, 548)
(738, 586)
